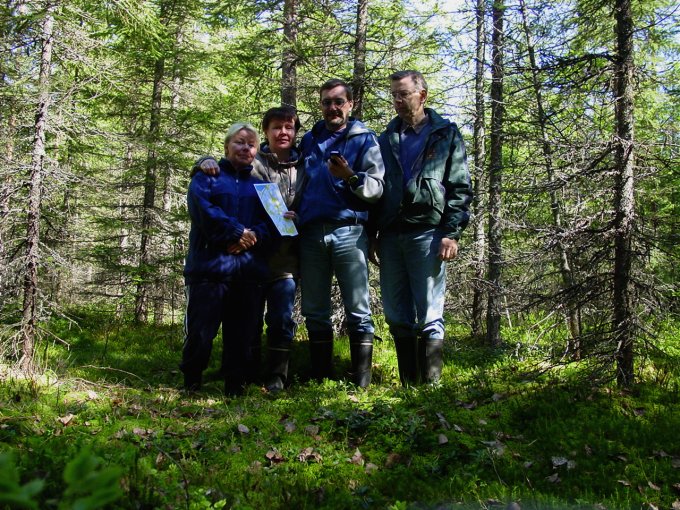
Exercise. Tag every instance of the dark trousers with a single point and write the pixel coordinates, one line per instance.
(235, 306)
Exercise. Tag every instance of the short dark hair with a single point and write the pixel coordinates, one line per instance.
(416, 76)
(281, 113)
(335, 82)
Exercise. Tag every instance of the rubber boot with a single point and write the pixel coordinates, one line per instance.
(277, 372)
(361, 350)
(407, 359)
(321, 354)
(430, 351)
(193, 381)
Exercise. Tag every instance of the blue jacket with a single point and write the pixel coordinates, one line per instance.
(325, 198)
(220, 208)
(439, 195)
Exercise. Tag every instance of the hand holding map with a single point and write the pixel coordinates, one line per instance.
(273, 203)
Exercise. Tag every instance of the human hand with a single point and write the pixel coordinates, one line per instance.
(209, 167)
(448, 249)
(338, 167)
(291, 215)
(247, 241)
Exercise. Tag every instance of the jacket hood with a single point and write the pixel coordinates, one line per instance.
(273, 159)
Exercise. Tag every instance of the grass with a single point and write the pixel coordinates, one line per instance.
(490, 434)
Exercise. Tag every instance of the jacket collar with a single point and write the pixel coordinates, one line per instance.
(226, 165)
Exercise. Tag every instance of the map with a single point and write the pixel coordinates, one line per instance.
(271, 199)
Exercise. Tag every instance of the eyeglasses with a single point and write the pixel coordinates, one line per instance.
(403, 95)
(326, 103)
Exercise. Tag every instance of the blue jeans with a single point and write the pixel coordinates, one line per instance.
(280, 298)
(413, 283)
(326, 249)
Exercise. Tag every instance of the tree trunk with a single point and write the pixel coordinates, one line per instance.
(359, 79)
(623, 325)
(479, 174)
(30, 311)
(148, 207)
(572, 313)
(289, 58)
(493, 314)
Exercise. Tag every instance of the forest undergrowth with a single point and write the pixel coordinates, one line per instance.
(106, 425)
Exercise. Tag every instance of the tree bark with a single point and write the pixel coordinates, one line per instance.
(572, 313)
(494, 303)
(359, 78)
(623, 316)
(479, 174)
(148, 207)
(289, 58)
(30, 313)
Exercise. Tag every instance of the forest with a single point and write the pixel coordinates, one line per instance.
(566, 288)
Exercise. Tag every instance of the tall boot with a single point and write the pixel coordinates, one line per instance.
(361, 351)
(430, 351)
(321, 354)
(407, 359)
(277, 372)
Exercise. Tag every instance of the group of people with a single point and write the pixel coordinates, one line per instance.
(400, 200)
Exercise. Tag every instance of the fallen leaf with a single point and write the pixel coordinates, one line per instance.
(675, 462)
(65, 420)
(243, 429)
(652, 506)
(554, 478)
(312, 430)
(255, 466)
(274, 456)
(497, 396)
(528, 464)
(653, 486)
(660, 453)
(442, 439)
(357, 458)
(625, 483)
(353, 398)
(588, 450)
(481, 421)
(676, 487)
(392, 459)
(91, 395)
(458, 429)
(308, 454)
(676, 505)
(443, 421)
(370, 468)
(558, 461)
(289, 427)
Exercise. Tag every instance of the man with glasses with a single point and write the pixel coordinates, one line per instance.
(419, 220)
(343, 175)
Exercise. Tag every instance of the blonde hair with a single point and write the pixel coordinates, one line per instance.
(235, 128)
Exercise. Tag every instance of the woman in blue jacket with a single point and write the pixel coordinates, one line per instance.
(226, 263)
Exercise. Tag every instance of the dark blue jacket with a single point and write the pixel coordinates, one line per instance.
(325, 198)
(221, 207)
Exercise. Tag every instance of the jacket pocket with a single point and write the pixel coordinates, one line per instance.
(425, 195)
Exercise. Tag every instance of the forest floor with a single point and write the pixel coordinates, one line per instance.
(510, 428)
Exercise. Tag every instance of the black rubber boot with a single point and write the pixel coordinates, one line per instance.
(321, 354)
(407, 359)
(430, 352)
(193, 381)
(277, 372)
(361, 350)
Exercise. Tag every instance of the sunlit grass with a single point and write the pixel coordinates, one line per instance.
(501, 427)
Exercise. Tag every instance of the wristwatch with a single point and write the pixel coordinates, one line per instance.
(353, 180)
